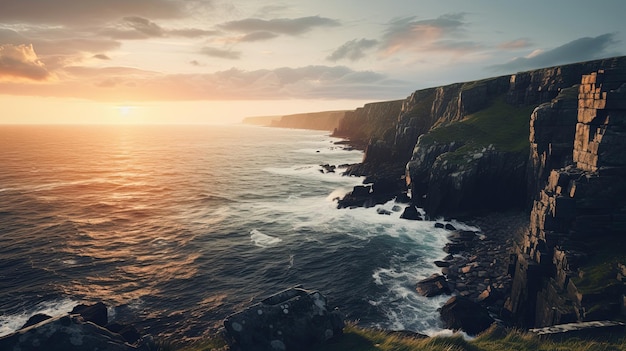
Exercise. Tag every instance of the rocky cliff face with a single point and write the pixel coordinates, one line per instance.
(461, 121)
(371, 121)
(569, 266)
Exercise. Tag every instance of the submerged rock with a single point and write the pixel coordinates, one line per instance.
(290, 320)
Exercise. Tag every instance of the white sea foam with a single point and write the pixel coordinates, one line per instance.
(263, 240)
(11, 323)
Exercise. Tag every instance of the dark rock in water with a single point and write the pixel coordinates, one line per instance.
(290, 320)
(382, 211)
(96, 313)
(449, 226)
(439, 225)
(410, 212)
(361, 191)
(442, 264)
(66, 333)
(460, 313)
(36, 319)
(434, 285)
(360, 196)
(326, 168)
(396, 208)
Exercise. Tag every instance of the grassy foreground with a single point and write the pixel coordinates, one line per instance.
(494, 339)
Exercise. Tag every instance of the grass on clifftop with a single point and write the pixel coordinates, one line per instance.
(504, 126)
(494, 339)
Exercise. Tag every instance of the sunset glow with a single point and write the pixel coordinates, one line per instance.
(229, 60)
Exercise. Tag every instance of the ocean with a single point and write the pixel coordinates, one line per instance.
(176, 227)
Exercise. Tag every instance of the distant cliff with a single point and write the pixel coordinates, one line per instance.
(326, 120)
(264, 121)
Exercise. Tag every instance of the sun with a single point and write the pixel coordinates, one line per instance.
(125, 110)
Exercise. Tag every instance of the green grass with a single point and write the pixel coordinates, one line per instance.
(494, 339)
(504, 126)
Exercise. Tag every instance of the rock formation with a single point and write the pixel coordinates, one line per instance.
(568, 267)
(85, 328)
(463, 148)
(290, 320)
(459, 313)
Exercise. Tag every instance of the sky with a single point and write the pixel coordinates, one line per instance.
(215, 61)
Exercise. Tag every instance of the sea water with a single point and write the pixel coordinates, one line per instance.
(176, 227)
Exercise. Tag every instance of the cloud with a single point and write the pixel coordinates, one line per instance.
(352, 50)
(144, 25)
(515, 44)
(67, 12)
(220, 53)
(257, 36)
(286, 26)
(101, 57)
(125, 84)
(582, 49)
(135, 27)
(430, 35)
(57, 45)
(21, 61)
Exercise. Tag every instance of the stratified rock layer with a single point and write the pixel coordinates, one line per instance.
(567, 267)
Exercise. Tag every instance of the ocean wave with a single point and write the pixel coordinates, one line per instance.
(12, 322)
(263, 240)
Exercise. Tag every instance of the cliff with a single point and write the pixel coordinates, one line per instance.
(553, 140)
(463, 149)
(569, 267)
(325, 120)
(264, 121)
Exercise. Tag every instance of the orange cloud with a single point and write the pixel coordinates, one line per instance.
(21, 62)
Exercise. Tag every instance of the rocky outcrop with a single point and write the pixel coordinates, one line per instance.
(294, 319)
(85, 328)
(567, 266)
(460, 313)
(434, 285)
(596, 330)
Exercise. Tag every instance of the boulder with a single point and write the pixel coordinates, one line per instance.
(460, 313)
(35, 319)
(96, 313)
(383, 211)
(410, 212)
(65, 333)
(293, 319)
(434, 285)
(127, 331)
(449, 226)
